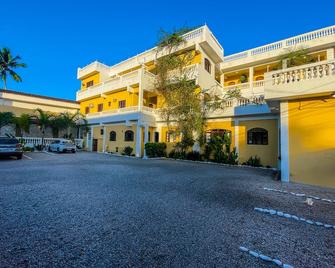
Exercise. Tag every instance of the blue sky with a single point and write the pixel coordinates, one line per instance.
(56, 37)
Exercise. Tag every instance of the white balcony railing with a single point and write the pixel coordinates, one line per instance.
(125, 110)
(315, 78)
(304, 39)
(116, 83)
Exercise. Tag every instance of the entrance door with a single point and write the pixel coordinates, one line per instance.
(95, 145)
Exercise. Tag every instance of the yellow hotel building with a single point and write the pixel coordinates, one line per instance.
(285, 116)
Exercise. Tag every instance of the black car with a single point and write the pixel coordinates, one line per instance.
(10, 147)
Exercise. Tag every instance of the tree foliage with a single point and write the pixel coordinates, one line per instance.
(184, 103)
(22, 123)
(6, 118)
(296, 57)
(8, 64)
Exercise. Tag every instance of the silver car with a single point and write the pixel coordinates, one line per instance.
(10, 147)
(63, 146)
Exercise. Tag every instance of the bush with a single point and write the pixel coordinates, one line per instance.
(39, 147)
(156, 149)
(127, 150)
(253, 161)
(194, 156)
(177, 154)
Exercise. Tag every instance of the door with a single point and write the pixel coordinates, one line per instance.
(95, 145)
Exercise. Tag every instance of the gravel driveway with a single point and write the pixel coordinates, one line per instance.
(105, 211)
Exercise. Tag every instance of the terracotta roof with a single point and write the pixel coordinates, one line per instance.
(37, 96)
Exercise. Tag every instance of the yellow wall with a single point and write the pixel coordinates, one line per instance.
(113, 99)
(229, 125)
(267, 153)
(94, 77)
(312, 141)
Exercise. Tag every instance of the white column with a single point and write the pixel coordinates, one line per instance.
(91, 139)
(236, 134)
(222, 79)
(284, 142)
(104, 140)
(140, 90)
(251, 79)
(146, 138)
(330, 54)
(138, 140)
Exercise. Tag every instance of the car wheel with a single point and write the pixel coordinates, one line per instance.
(49, 149)
(64, 151)
(73, 151)
(58, 150)
(19, 157)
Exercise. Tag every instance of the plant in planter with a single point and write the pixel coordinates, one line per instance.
(253, 161)
(243, 78)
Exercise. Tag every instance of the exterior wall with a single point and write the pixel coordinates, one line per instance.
(267, 153)
(312, 141)
(94, 77)
(228, 125)
(114, 98)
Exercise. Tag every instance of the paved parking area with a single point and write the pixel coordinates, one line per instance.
(86, 209)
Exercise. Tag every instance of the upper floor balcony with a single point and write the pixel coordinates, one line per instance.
(315, 40)
(303, 81)
(94, 67)
(128, 80)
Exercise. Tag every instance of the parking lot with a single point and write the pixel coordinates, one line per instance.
(97, 210)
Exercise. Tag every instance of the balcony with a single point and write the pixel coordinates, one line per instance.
(123, 114)
(247, 90)
(125, 81)
(302, 81)
(94, 67)
(315, 40)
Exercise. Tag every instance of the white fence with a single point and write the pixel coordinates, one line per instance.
(46, 141)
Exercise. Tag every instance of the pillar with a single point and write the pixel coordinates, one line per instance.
(140, 90)
(91, 139)
(236, 134)
(146, 138)
(330, 54)
(251, 79)
(284, 142)
(104, 140)
(138, 140)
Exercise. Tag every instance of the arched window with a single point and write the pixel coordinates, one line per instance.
(217, 132)
(258, 136)
(208, 65)
(112, 136)
(129, 135)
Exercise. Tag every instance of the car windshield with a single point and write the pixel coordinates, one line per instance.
(8, 141)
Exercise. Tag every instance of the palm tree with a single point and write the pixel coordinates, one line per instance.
(7, 65)
(22, 124)
(56, 124)
(6, 118)
(43, 121)
(70, 121)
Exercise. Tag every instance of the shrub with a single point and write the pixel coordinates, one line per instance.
(253, 161)
(177, 154)
(39, 147)
(127, 150)
(156, 149)
(194, 156)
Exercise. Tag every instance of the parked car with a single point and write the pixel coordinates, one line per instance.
(10, 147)
(63, 146)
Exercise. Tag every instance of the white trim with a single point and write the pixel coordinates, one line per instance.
(138, 140)
(284, 140)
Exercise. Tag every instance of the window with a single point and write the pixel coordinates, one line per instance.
(207, 65)
(100, 107)
(109, 104)
(258, 136)
(89, 83)
(156, 136)
(170, 136)
(129, 135)
(112, 136)
(102, 131)
(87, 110)
(122, 104)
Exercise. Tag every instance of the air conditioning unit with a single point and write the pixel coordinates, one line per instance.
(91, 105)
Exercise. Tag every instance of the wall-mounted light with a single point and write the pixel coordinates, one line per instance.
(333, 95)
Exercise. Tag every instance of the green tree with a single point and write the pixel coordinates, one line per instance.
(43, 120)
(72, 121)
(8, 64)
(22, 124)
(296, 57)
(184, 104)
(6, 118)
